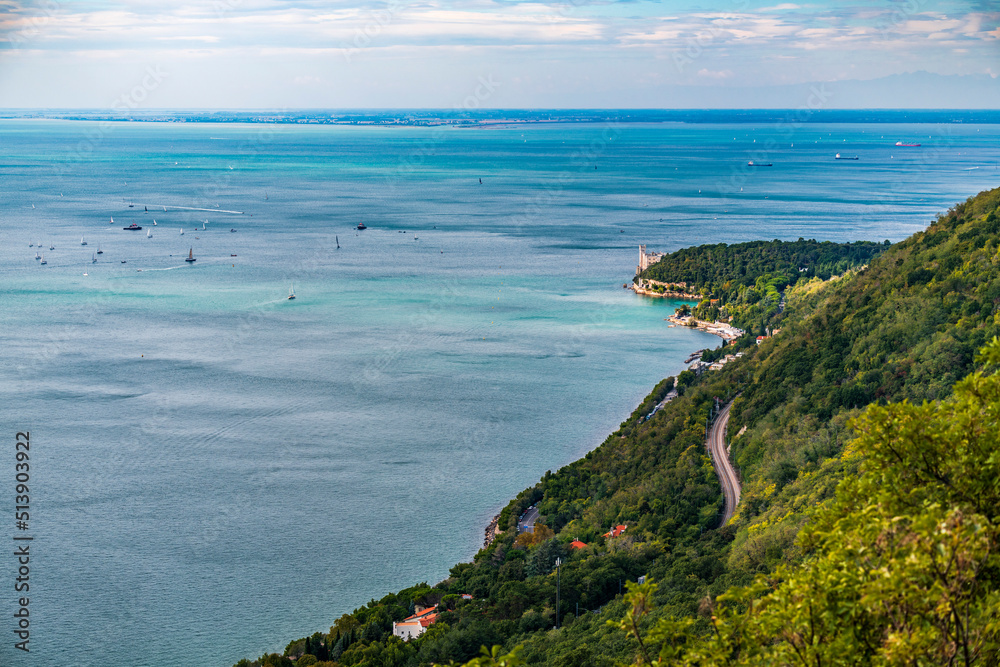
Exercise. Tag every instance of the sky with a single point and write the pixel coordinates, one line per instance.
(294, 54)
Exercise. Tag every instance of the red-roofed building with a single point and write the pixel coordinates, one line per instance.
(577, 544)
(414, 626)
(616, 531)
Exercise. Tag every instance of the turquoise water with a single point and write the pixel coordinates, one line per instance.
(217, 469)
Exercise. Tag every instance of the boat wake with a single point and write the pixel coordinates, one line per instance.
(192, 208)
(168, 268)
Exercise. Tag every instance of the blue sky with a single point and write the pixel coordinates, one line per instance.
(439, 53)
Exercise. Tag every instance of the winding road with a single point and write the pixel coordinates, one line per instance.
(526, 524)
(723, 468)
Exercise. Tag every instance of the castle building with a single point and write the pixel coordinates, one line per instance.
(647, 258)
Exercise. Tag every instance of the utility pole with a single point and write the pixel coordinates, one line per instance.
(558, 564)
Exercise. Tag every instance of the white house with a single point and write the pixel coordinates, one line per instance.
(414, 626)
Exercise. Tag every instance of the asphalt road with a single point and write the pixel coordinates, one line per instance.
(528, 520)
(723, 468)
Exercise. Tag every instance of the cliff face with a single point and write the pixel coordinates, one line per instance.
(901, 322)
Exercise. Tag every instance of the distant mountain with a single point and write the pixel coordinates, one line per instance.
(915, 90)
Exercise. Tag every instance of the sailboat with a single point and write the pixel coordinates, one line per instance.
(291, 293)
(190, 257)
(37, 256)
(154, 222)
(149, 233)
(182, 232)
(112, 220)
(94, 259)
(338, 241)
(43, 260)
(52, 247)
(83, 241)
(99, 251)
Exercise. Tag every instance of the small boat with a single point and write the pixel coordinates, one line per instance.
(751, 163)
(146, 209)
(124, 261)
(132, 228)
(233, 255)
(37, 256)
(93, 259)
(190, 257)
(154, 222)
(900, 143)
(32, 206)
(99, 251)
(43, 261)
(149, 233)
(182, 232)
(130, 205)
(31, 245)
(52, 247)
(83, 241)
(291, 293)
(112, 220)
(838, 156)
(233, 230)
(361, 225)
(337, 239)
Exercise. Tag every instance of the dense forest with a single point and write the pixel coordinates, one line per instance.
(746, 281)
(897, 563)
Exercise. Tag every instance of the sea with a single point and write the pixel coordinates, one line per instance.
(217, 469)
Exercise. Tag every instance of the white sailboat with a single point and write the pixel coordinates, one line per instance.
(83, 241)
(149, 233)
(37, 256)
(291, 293)
(93, 259)
(182, 232)
(99, 251)
(43, 260)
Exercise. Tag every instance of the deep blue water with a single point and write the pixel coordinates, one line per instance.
(217, 469)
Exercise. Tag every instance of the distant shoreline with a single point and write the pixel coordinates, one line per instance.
(505, 118)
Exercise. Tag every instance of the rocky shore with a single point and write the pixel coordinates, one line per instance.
(491, 531)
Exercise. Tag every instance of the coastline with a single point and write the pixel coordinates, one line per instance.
(723, 330)
(491, 531)
(667, 294)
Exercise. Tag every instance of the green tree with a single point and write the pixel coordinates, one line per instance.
(902, 568)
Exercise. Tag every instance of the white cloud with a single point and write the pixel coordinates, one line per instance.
(710, 74)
